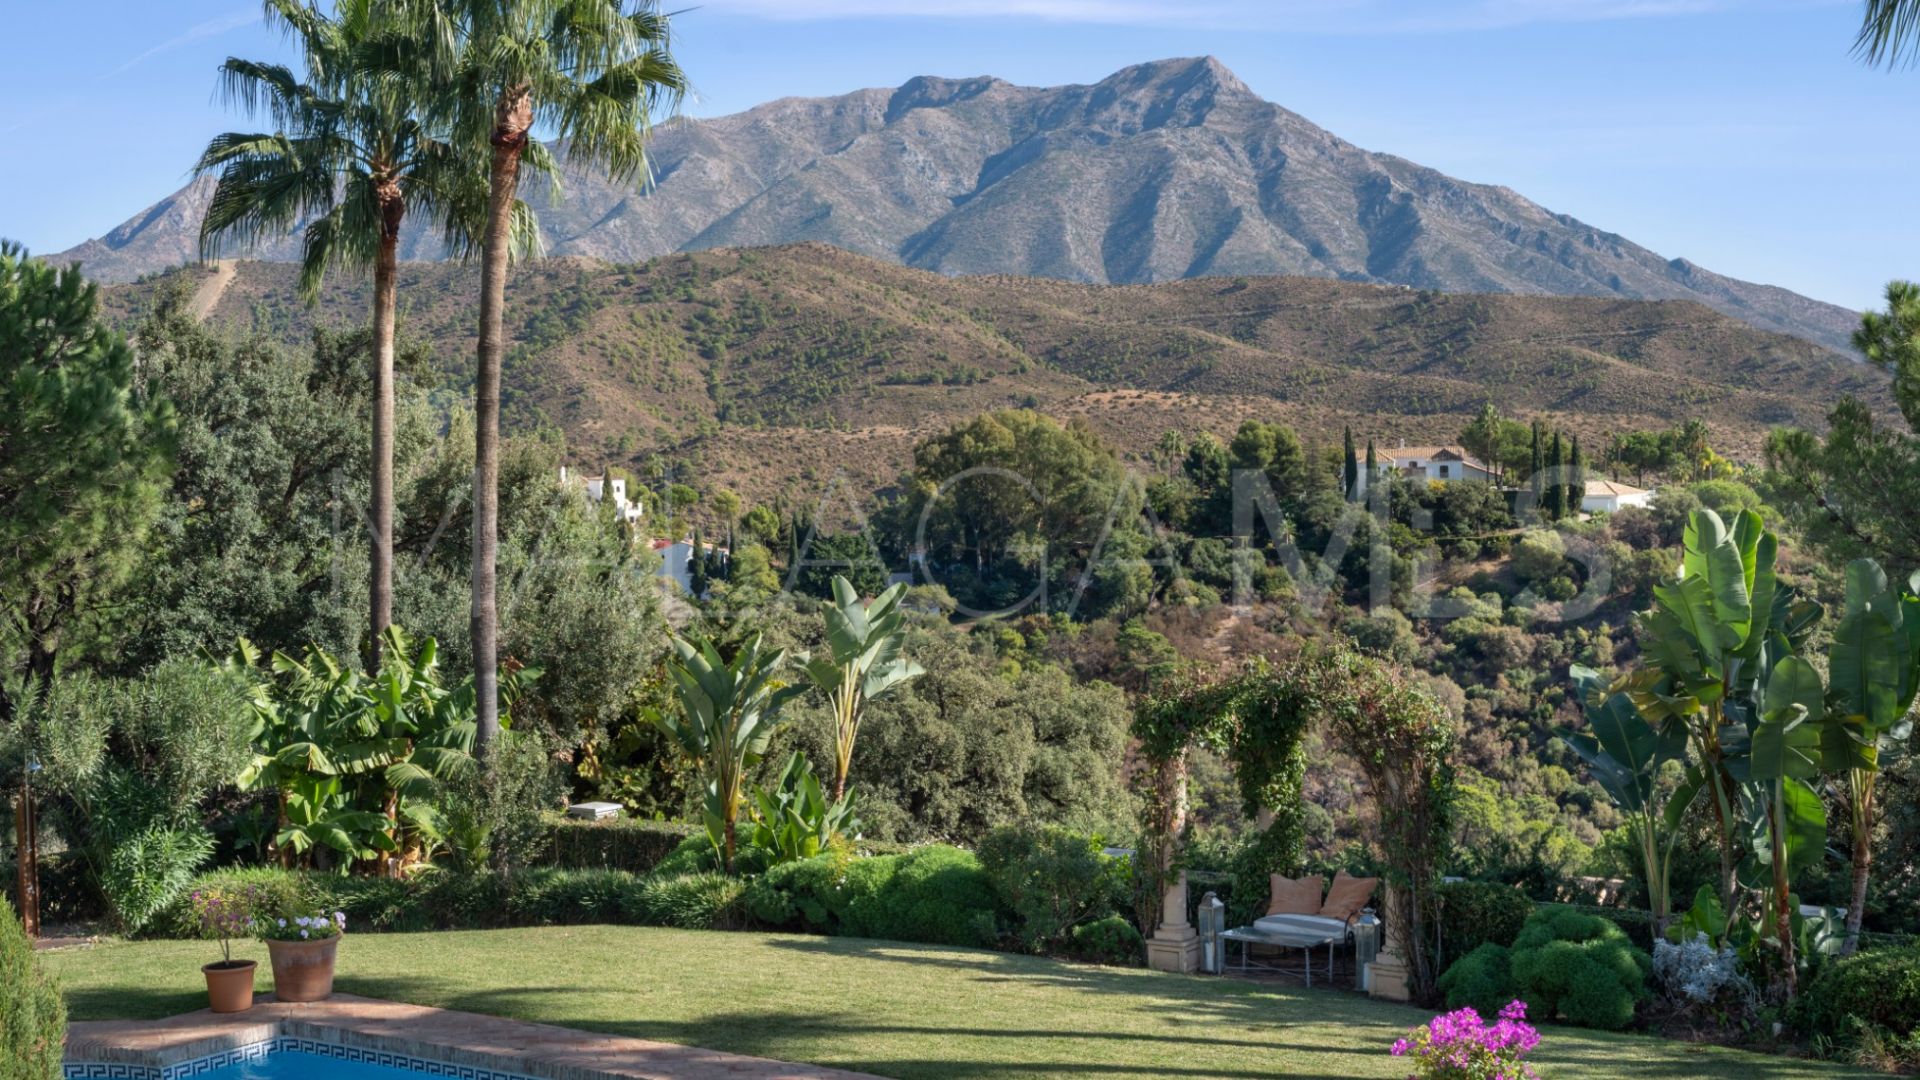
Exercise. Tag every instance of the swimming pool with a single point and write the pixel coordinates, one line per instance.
(292, 1059)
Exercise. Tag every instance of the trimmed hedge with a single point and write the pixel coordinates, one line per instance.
(1476, 913)
(615, 843)
(936, 894)
(33, 1019)
(1878, 989)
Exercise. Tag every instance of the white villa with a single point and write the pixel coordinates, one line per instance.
(676, 561)
(596, 488)
(1609, 496)
(1434, 464)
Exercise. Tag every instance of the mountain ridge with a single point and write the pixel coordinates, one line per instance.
(1161, 171)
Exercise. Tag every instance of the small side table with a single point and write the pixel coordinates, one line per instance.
(1306, 942)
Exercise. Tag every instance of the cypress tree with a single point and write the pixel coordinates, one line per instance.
(1351, 473)
(1373, 464)
(1576, 479)
(1536, 475)
(697, 566)
(1556, 487)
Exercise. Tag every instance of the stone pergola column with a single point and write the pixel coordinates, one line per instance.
(1175, 944)
(1390, 974)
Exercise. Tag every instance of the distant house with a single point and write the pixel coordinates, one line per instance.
(1609, 496)
(597, 488)
(676, 561)
(1433, 464)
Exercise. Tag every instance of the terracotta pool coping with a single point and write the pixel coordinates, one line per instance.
(489, 1042)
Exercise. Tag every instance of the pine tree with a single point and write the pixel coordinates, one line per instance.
(83, 459)
(1351, 474)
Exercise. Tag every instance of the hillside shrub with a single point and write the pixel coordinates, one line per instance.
(33, 1019)
(1112, 940)
(1565, 964)
(1474, 913)
(1051, 879)
(1871, 996)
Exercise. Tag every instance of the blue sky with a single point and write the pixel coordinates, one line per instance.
(1738, 133)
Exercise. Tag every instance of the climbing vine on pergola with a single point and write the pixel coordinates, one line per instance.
(1258, 719)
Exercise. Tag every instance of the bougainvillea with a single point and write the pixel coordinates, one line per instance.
(1461, 1046)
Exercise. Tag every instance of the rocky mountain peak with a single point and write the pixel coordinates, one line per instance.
(1162, 170)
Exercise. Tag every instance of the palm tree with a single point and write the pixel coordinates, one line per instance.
(349, 156)
(593, 73)
(1889, 33)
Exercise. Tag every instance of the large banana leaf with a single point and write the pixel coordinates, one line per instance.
(1621, 749)
(1786, 741)
(1866, 662)
(1804, 823)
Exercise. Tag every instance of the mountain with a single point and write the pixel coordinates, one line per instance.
(772, 369)
(1166, 170)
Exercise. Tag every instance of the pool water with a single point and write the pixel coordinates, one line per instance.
(300, 1065)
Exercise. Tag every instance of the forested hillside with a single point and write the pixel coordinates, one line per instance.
(769, 368)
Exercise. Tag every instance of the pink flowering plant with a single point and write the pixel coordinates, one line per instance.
(301, 927)
(1461, 1046)
(225, 914)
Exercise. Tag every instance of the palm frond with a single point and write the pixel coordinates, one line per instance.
(1889, 33)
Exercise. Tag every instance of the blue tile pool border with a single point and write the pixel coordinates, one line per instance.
(256, 1051)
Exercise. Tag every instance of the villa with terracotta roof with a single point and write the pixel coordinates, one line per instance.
(1608, 496)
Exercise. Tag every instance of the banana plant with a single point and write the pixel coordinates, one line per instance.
(863, 663)
(794, 820)
(317, 813)
(1713, 634)
(728, 711)
(1625, 754)
(1874, 666)
(386, 741)
(1782, 756)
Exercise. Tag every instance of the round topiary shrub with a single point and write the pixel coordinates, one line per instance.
(937, 894)
(33, 1020)
(1580, 968)
(1112, 940)
(1482, 980)
(1878, 989)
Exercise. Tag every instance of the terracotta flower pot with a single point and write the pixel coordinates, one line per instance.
(303, 970)
(229, 985)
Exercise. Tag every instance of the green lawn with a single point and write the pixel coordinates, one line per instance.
(882, 1007)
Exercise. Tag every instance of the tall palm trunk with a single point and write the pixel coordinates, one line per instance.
(512, 117)
(385, 267)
